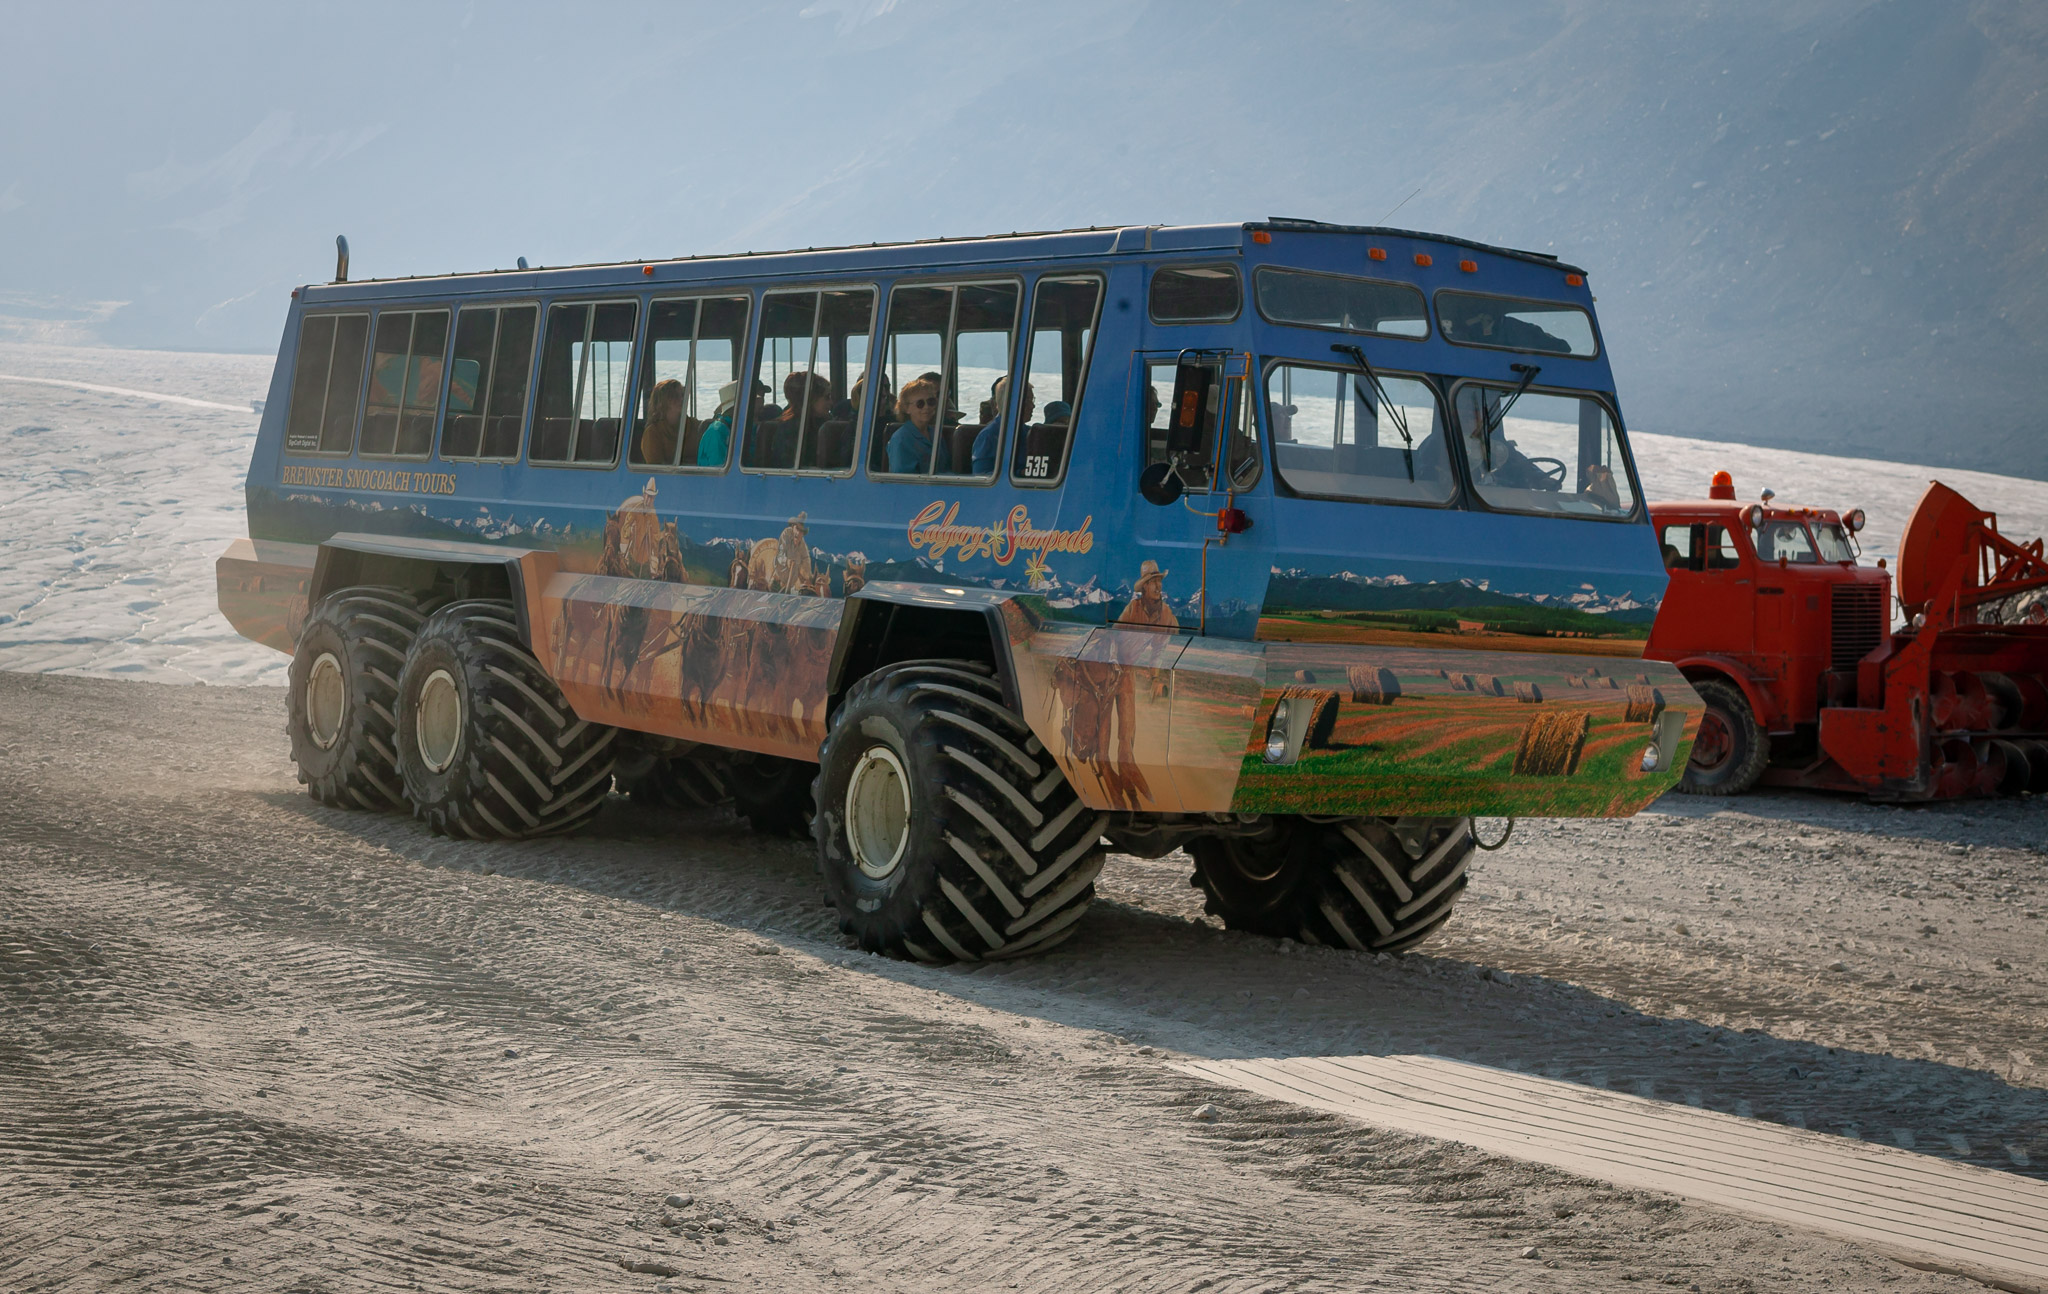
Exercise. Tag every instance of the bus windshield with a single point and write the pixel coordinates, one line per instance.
(1544, 452)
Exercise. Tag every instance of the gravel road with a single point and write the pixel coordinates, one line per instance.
(250, 1043)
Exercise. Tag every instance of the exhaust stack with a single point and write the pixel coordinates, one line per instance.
(340, 258)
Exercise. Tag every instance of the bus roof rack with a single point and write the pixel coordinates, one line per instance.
(1276, 223)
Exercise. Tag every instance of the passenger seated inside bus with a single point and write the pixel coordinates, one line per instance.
(989, 440)
(910, 444)
(806, 404)
(664, 427)
(716, 442)
(885, 402)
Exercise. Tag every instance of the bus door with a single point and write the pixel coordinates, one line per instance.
(1201, 454)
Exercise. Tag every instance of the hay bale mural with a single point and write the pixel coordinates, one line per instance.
(1551, 744)
(1322, 708)
(1645, 703)
(1487, 685)
(1528, 693)
(1373, 685)
(1460, 682)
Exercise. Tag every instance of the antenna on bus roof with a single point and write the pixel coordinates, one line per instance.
(1398, 205)
(340, 259)
(522, 262)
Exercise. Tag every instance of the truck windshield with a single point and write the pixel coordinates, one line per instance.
(1785, 539)
(1554, 453)
(1833, 542)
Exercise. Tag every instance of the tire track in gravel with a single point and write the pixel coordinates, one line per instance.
(803, 1142)
(683, 1019)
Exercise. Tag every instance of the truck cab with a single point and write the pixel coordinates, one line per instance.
(1769, 601)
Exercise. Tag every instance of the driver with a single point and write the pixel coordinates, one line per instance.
(1511, 467)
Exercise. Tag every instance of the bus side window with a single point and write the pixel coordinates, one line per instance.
(686, 367)
(811, 345)
(1063, 321)
(585, 374)
(327, 382)
(960, 338)
(405, 383)
(486, 403)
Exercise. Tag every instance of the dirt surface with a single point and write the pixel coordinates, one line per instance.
(249, 1043)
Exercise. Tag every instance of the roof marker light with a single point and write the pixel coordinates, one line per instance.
(1262, 236)
(1575, 280)
(1422, 258)
(1375, 253)
(1470, 267)
(648, 270)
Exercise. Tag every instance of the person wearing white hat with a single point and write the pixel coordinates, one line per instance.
(717, 440)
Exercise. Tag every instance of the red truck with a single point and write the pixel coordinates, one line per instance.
(1790, 642)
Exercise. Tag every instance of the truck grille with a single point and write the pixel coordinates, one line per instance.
(1859, 622)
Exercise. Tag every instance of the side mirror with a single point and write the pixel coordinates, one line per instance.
(1189, 421)
(1160, 484)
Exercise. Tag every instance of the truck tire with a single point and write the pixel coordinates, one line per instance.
(487, 745)
(1368, 884)
(944, 830)
(1732, 748)
(342, 694)
(773, 794)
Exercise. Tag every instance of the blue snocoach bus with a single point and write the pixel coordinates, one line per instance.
(1294, 544)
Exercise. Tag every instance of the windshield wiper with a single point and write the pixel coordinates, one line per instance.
(1395, 413)
(1493, 423)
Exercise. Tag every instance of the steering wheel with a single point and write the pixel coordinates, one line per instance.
(1546, 466)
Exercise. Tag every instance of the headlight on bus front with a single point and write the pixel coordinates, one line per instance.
(1652, 757)
(1276, 734)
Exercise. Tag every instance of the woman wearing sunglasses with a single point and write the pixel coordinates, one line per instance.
(910, 445)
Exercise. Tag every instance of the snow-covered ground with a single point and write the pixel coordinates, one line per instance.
(124, 482)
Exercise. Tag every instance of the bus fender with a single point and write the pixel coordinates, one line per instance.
(891, 621)
(436, 568)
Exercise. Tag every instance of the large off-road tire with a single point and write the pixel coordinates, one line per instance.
(674, 782)
(487, 745)
(1732, 748)
(772, 794)
(343, 694)
(944, 830)
(1368, 884)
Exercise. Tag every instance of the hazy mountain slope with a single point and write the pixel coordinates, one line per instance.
(1817, 224)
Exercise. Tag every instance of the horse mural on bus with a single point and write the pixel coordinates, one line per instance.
(647, 644)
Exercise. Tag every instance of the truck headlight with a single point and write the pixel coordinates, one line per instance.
(1276, 734)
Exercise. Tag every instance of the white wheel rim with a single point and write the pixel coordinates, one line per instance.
(326, 700)
(438, 726)
(878, 813)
